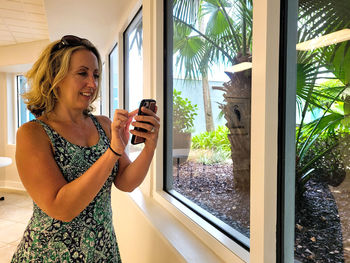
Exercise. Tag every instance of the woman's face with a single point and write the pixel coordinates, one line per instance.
(78, 87)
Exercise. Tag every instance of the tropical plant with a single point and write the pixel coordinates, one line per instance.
(209, 157)
(205, 32)
(183, 113)
(227, 37)
(331, 97)
(212, 147)
(214, 140)
(208, 32)
(309, 135)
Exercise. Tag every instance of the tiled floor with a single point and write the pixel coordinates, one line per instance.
(15, 212)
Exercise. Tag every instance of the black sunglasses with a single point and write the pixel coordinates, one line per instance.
(72, 41)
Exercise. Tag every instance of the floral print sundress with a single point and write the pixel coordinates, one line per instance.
(90, 236)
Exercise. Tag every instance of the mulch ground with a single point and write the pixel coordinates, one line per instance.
(318, 230)
(318, 233)
(212, 188)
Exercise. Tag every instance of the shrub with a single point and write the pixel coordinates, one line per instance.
(330, 167)
(216, 140)
(183, 113)
(211, 157)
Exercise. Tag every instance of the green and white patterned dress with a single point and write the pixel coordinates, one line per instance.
(90, 236)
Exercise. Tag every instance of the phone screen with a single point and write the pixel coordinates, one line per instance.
(150, 104)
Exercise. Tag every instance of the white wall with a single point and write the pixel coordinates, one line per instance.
(8, 175)
(14, 59)
(19, 54)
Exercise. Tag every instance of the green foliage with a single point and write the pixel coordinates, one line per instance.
(216, 140)
(211, 157)
(210, 31)
(229, 35)
(214, 146)
(327, 160)
(318, 139)
(183, 113)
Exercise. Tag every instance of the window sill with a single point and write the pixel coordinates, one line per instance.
(199, 241)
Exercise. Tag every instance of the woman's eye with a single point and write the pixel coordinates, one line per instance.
(83, 73)
(96, 76)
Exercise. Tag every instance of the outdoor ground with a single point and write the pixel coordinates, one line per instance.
(211, 187)
(342, 198)
(322, 234)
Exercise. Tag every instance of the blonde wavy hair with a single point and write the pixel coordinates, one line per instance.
(47, 72)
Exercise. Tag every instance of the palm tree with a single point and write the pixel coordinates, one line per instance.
(189, 48)
(217, 31)
(227, 38)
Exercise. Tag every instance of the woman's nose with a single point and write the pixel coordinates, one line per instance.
(92, 81)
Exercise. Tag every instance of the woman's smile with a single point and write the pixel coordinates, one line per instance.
(87, 94)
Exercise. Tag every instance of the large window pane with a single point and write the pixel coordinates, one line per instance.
(208, 89)
(24, 115)
(322, 222)
(133, 70)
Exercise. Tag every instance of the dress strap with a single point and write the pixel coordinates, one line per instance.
(100, 130)
(49, 131)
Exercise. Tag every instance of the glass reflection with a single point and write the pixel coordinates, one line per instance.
(322, 132)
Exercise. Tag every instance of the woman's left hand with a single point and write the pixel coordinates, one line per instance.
(152, 127)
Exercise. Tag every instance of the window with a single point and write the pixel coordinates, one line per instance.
(208, 87)
(322, 132)
(113, 80)
(23, 114)
(133, 71)
(319, 138)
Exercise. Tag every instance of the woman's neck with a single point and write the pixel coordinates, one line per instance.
(61, 114)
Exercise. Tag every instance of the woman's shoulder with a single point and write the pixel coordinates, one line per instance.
(31, 132)
(31, 127)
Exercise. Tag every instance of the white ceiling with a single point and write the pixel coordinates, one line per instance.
(22, 21)
(32, 20)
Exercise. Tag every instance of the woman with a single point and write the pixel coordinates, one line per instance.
(68, 159)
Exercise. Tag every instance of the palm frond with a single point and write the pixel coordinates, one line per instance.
(187, 10)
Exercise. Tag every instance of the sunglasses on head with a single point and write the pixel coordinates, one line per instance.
(72, 41)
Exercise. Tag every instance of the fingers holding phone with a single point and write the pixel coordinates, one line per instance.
(146, 124)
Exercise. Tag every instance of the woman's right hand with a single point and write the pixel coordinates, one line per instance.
(120, 129)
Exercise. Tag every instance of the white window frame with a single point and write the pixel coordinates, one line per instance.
(111, 95)
(11, 107)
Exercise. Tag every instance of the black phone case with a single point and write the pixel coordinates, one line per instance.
(150, 104)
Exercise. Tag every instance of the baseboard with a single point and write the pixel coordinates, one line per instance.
(12, 185)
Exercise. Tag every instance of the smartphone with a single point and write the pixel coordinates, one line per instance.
(150, 104)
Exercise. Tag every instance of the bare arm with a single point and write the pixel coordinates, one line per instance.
(131, 174)
(44, 181)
